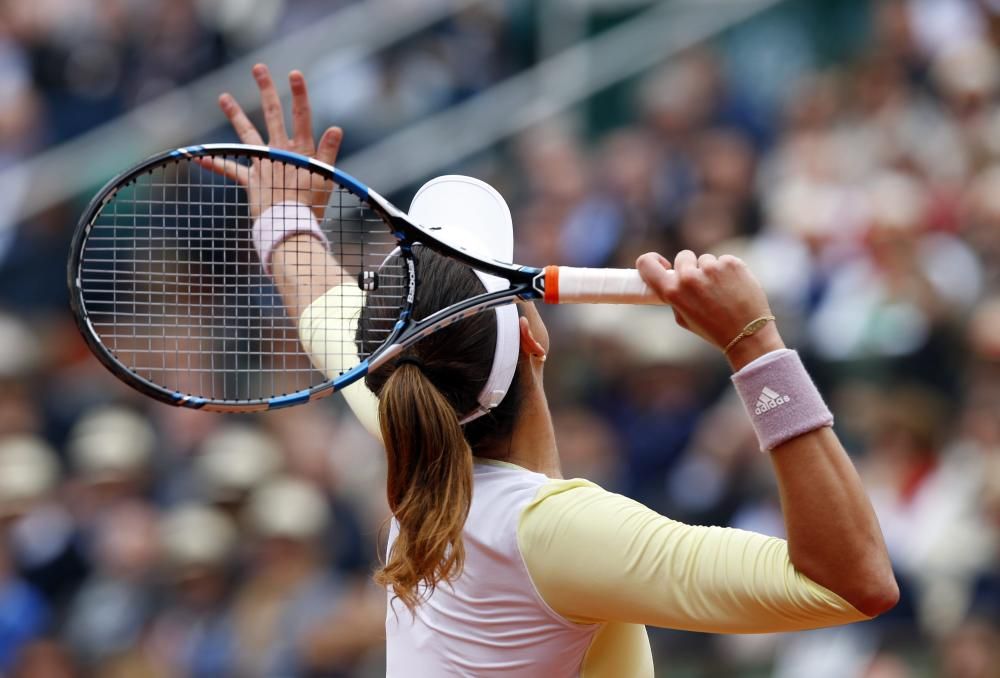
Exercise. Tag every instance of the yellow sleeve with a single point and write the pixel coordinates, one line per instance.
(326, 330)
(595, 556)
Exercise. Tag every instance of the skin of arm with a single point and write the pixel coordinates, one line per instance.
(296, 261)
(293, 267)
(302, 268)
(833, 535)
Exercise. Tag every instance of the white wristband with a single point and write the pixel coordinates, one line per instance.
(280, 222)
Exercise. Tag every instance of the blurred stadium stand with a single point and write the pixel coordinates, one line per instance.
(850, 151)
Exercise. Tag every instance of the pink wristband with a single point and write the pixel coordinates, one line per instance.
(780, 398)
(280, 222)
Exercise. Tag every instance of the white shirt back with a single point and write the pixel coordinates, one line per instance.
(490, 621)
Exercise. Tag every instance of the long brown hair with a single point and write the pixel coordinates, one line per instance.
(422, 397)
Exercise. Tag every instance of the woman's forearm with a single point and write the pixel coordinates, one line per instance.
(303, 270)
(833, 535)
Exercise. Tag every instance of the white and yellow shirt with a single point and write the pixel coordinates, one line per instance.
(560, 577)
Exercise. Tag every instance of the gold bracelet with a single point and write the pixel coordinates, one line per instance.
(752, 327)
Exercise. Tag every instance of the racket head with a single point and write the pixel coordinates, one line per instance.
(169, 294)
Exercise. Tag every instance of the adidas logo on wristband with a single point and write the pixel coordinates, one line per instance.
(804, 409)
(769, 400)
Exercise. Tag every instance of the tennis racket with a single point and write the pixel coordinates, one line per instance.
(170, 294)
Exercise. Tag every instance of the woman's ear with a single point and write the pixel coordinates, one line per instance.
(529, 344)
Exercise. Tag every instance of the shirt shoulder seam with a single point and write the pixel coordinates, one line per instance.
(592, 627)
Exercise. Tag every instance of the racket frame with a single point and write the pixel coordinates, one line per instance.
(526, 283)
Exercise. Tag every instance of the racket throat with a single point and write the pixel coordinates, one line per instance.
(546, 284)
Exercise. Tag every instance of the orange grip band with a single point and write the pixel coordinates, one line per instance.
(551, 285)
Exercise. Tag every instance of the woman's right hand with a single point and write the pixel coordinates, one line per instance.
(715, 298)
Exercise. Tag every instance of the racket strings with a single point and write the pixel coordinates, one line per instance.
(174, 288)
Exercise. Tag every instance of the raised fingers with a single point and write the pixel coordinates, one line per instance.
(302, 135)
(274, 119)
(329, 145)
(245, 130)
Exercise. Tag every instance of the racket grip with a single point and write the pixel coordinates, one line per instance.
(570, 285)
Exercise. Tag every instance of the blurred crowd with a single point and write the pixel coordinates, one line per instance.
(140, 540)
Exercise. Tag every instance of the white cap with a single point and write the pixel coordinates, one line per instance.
(193, 534)
(235, 459)
(472, 215)
(288, 508)
(111, 442)
(28, 469)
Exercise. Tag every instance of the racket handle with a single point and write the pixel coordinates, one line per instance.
(570, 285)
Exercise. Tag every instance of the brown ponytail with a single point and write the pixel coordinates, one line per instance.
(429, 484)
(422, 397)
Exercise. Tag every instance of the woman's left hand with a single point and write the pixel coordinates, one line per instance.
(264, 189)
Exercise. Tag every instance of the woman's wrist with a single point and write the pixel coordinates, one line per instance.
(750, 348)
(280, 222)
(780, 398)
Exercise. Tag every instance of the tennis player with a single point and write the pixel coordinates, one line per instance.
(497, 566)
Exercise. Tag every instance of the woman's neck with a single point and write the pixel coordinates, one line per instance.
(532, 443)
